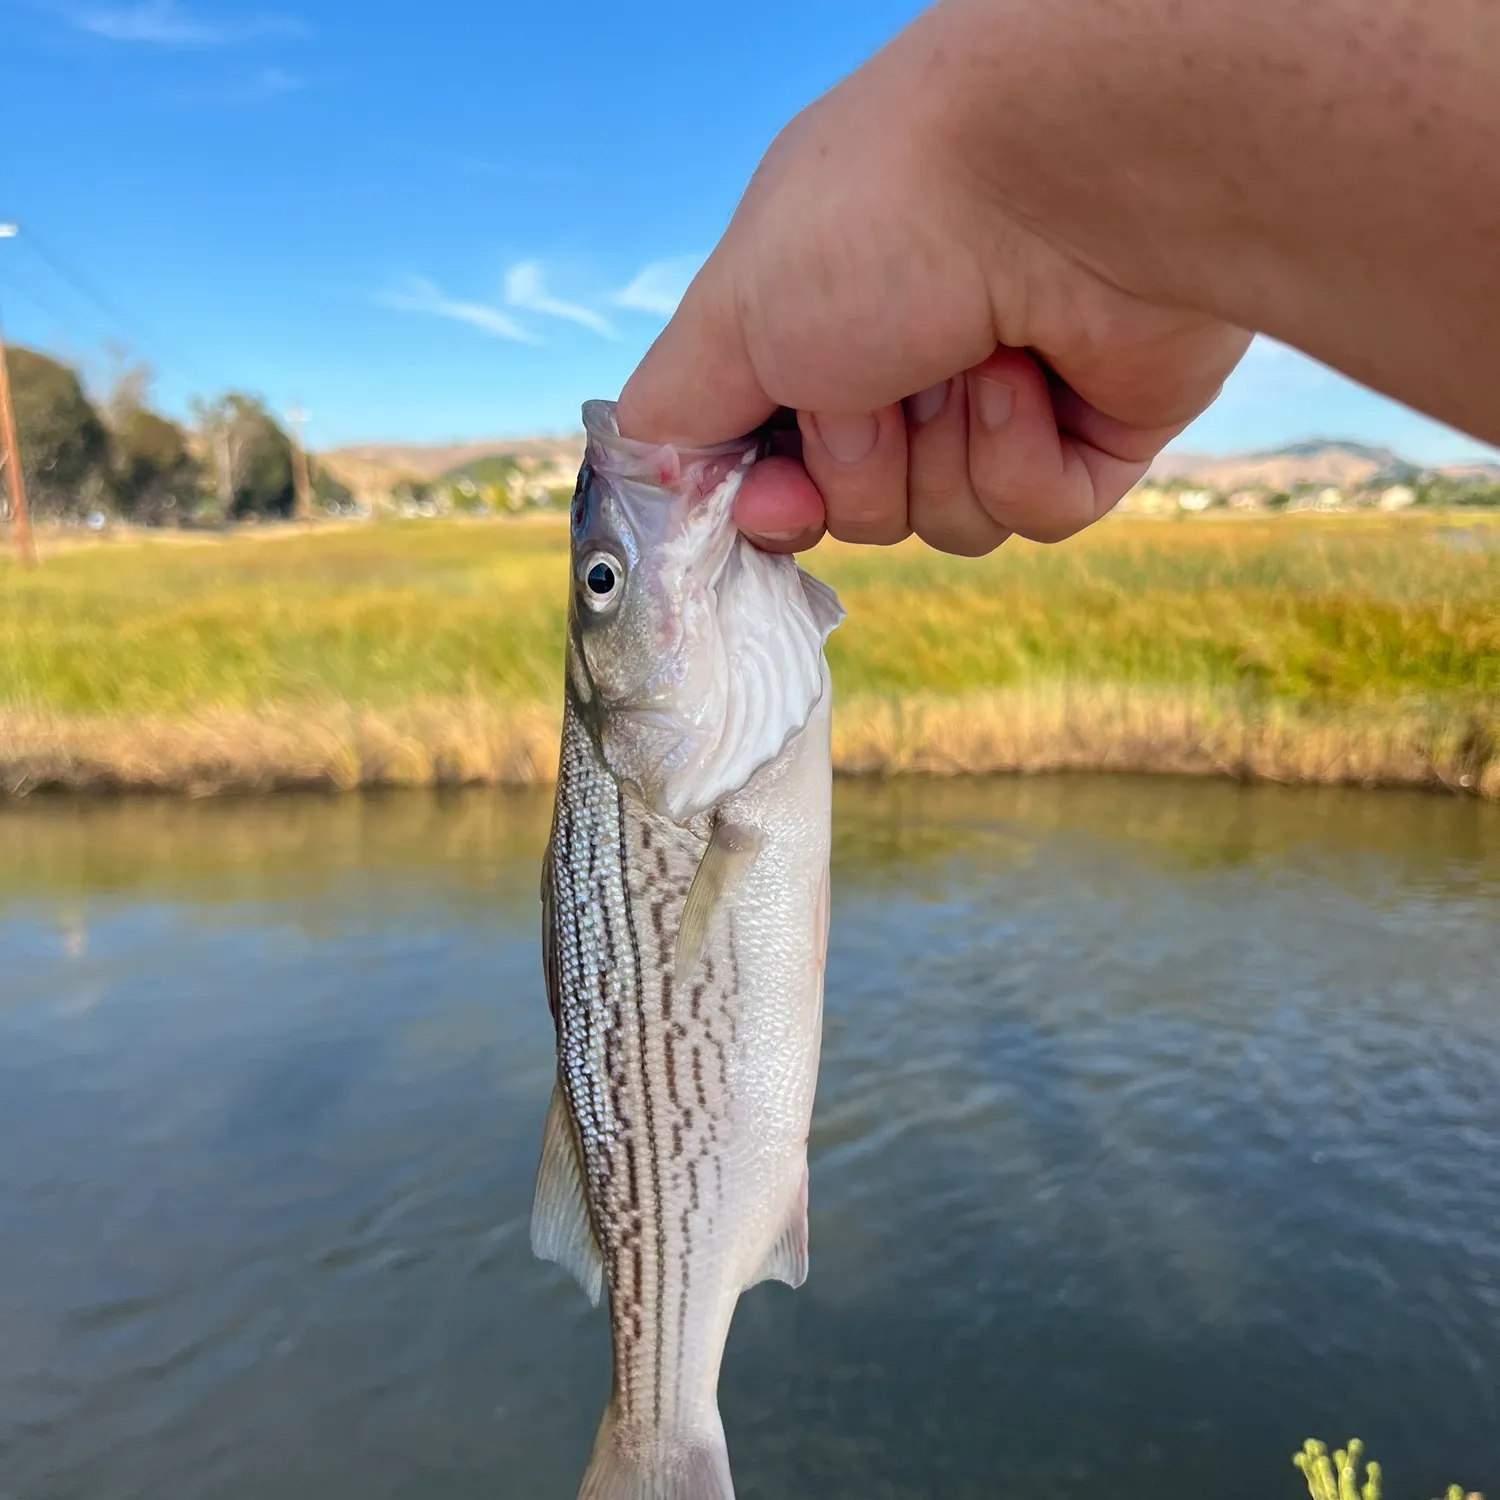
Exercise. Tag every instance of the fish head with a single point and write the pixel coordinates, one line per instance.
(693, 657)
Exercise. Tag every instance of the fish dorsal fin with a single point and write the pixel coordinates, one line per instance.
(560, 1227)
(787, 1258)
(731, 849)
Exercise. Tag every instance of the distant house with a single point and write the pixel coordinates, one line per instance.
(1145, 500)
(1247, 500)
(1195, 500)
(1397, 497)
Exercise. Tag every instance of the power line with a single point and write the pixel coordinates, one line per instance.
(85, 288)
(27, 291)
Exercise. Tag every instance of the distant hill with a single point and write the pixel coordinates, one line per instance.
(493, 468)
(373, 467)
(1317, 461)
(1482, 472)
(376, 467)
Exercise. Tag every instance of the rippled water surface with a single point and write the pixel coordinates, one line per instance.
(1159, 1128)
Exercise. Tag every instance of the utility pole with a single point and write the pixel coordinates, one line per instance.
(299, 467)
(222, 471)
(20, 516)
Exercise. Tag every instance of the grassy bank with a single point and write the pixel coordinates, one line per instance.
(1301, 649)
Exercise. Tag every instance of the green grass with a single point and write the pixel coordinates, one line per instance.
(373, 614)
(1383, 623)
(1347, 611)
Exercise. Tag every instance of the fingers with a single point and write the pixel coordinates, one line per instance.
(1004, 448)
(779, 507)
(1042, 462)
(942, 506)
(697, 384)
(858, 462)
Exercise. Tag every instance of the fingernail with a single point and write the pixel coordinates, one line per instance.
(995, 402)
(925, 405)
(778, 536)
(847, 438)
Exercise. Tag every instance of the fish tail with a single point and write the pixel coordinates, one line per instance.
(629, 1463)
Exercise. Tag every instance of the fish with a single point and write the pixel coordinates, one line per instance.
(685, 916)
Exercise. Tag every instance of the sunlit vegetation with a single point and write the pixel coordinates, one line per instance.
(1346, 1475)
(1361, 649)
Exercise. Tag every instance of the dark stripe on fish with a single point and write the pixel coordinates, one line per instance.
(647, 1104)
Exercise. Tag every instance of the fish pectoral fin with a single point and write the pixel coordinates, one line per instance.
(827, 612)
(560, 1228)
(731, 849)
(787, 1260)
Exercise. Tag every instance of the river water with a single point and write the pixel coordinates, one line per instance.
(1159, 1128)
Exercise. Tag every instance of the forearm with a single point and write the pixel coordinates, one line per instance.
(1327, 173)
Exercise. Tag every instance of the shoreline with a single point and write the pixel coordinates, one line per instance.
(1035, 730)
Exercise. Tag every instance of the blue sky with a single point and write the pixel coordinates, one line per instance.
(434, 221)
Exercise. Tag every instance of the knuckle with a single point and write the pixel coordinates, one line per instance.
(882, 531)
(1041, 510)
(865, 516)
(963, 541)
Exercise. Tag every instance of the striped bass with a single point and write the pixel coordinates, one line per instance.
(685, 922)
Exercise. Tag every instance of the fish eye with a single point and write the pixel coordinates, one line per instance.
(602, 578)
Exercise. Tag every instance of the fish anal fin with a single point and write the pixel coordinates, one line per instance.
(731, 849)
(560, 1227)
(787, 1259)
(630, 1464)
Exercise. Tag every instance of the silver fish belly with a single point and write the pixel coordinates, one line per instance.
(684, 961)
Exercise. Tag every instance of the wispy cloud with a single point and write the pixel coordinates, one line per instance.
(658, 287)
(421, 296)
(272, 81)
(268, 83)
(526, 289)
(164, 23)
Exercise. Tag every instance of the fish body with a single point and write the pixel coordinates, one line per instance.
(685, 922)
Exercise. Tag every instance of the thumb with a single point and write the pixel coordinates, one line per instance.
(697, 385)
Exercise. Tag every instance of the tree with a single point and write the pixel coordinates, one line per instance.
(329, 492)
(156, 476)
(249, 455)
(130, 382)
(64, 447)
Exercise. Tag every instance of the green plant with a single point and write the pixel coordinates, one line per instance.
(1338, 1478)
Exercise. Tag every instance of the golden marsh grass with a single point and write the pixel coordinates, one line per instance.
(1339, 649)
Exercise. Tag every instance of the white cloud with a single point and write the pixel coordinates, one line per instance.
(164, 23)
(658, 287)
(421, 296)
(525, 288)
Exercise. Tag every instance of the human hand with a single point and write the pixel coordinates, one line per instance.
(957, 370)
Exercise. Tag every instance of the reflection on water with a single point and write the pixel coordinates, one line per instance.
(1159, 1128)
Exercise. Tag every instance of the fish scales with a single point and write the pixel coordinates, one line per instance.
(644, 1069)
(685, 911)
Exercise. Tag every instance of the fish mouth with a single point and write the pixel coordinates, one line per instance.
(666, 466)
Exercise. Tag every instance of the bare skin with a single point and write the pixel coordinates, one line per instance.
(1003, 264)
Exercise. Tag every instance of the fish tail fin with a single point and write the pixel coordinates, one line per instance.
(630, 1464)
